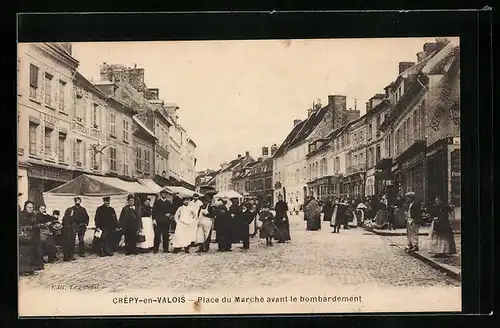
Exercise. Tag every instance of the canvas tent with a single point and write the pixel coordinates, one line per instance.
(180, 191)
(91, 189)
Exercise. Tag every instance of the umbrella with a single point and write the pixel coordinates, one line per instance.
(228, 194)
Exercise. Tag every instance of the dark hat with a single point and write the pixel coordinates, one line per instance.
(56, 212)
(106, 199)
(129, 197)
(163, 191)
(186, 197)
(77, 198)
(196, 195)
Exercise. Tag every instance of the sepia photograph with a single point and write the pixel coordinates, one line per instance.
(225, 177)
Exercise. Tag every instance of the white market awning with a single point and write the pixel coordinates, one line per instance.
(150, 184)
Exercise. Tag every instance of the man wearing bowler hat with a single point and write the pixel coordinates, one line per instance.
(131, 224)
(106, 221)
(76, 216)
(163, 212)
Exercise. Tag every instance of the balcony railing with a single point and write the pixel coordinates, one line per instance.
(356, 168)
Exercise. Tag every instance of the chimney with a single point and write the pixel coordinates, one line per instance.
(368, 106)
(420, 56)
(309, 112)
(403, 66)
(239, 156)
(247, 154)
(295, 122)
(265, 152)
(429, 47)
(274, 148)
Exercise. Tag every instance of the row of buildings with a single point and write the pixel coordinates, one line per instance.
(117, 126)
(407, 140)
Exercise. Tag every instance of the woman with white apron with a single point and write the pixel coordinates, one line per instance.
(205, 224)
(147, 233)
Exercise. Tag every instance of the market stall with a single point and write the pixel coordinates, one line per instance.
(91, 189)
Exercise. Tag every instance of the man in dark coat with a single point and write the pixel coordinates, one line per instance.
(235, 212)
(130, 222)
(163, 212)
(79, 219)
(327, 210)
(224, 229)
(281, 221)
(107, 222)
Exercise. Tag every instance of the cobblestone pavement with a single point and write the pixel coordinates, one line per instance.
(455, 260)
(351, 258)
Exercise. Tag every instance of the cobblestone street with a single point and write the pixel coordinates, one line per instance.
(353, 257)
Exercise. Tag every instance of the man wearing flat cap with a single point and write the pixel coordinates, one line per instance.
(107, 222)
(76, 218)
(413, 216)
(163, 213)
(131, 223)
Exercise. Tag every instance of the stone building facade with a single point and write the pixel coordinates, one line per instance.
(45, 88)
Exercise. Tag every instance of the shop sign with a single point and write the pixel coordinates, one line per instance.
(50, 174)
(455, 177)
(395, 167)
(412, 161)
(50, 119)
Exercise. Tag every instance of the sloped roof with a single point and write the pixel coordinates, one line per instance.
(309, 126)
(289, 138)
(143, 127)
(86, 83)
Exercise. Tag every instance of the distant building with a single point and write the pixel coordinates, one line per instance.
(225, 174)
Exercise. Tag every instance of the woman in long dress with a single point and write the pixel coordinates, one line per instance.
(185, 218)
(30, 245)
(441, 240)
(313, 215)
(145, 213)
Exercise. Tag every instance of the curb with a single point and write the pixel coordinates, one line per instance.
(387, 233)
(451, 271)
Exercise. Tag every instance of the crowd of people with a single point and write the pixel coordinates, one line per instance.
(379, 213)
(143, 228)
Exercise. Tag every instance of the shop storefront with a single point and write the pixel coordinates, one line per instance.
(443, 169)
(370, 182)
(354, 185)
(324, 187)
(384, 180)
(42, 178)
(411, 175)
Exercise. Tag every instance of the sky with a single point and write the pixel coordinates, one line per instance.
(238, 96)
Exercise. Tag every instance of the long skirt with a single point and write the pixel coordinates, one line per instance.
(381, 219)
(314, 223)
(441, 240)
(30, 252)
(282, 231)
(267, 229)
(412, 234)
(148, 231)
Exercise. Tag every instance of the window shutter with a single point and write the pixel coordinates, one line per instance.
(108, 124)
(73, 103)
(84, 154)
(73, 150)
